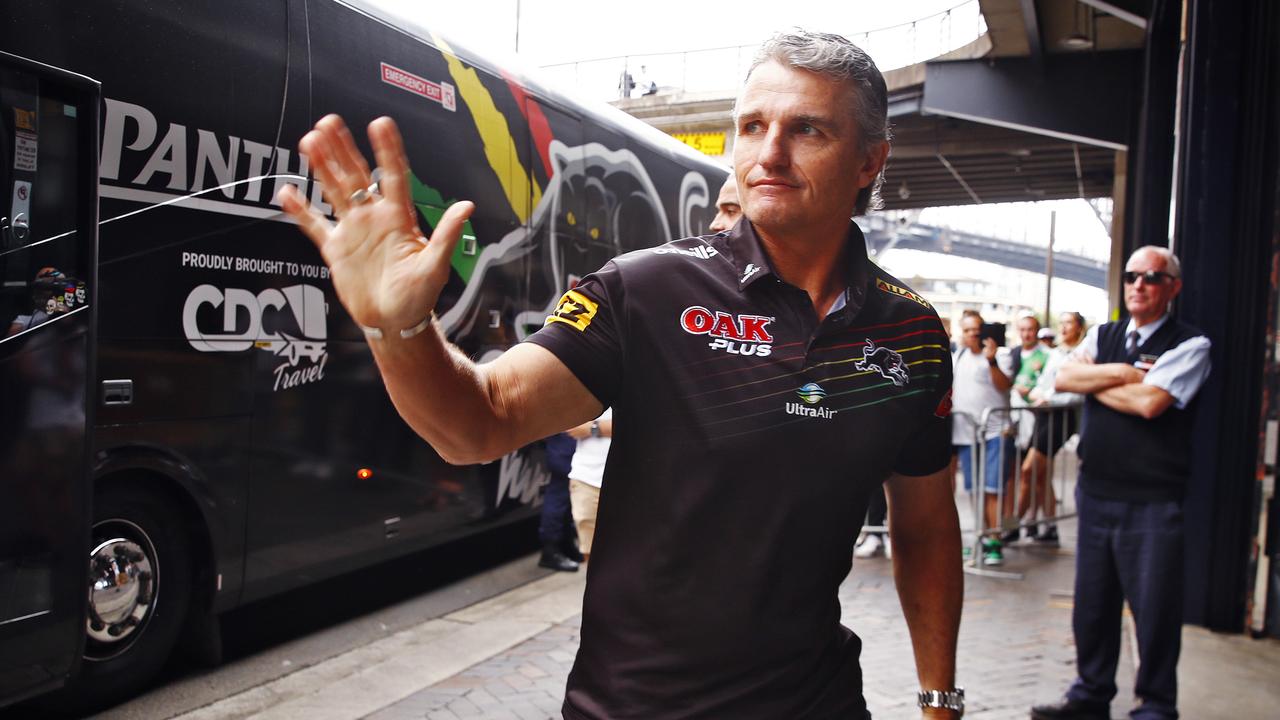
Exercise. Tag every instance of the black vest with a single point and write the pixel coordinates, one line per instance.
(1125, 457)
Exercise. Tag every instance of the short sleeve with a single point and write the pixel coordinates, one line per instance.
(1088, 348)
(583, 332)
(1182, 370)
(928, 450)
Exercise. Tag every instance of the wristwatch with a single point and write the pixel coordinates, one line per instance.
(944, 699)
(595, 428)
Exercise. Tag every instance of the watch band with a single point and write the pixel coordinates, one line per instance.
(944, 699)
(595, 428)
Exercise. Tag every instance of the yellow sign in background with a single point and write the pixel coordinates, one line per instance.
(707, 143)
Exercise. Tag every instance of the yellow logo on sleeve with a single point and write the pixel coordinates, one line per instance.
(575, 309)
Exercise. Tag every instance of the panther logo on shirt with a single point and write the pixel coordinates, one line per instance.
(888, 362)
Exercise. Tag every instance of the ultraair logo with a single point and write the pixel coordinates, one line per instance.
(810, 394)
(887, 362)
(259, 321)
(734, 334)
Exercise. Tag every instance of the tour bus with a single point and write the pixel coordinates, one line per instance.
(235, 440)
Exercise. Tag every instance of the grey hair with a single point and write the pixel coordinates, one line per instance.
(1172, 264)
(835, 57)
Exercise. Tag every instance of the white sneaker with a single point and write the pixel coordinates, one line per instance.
(869, 547)
(888, 548)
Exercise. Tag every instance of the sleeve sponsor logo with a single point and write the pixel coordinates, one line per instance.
(901, 292)
(702, 252)
(734, 334)
(442, 92)
(575, 309)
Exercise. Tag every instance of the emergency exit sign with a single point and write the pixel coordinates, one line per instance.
(707, 143)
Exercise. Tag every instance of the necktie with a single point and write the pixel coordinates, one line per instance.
(1131, 345)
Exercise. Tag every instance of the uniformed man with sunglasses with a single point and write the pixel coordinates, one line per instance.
(1140, 377)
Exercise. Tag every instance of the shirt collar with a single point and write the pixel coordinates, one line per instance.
(1147, 330)
(748, 257)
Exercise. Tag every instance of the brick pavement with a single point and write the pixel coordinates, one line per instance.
(1015, 650)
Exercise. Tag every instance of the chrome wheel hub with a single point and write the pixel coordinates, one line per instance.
(122, 588)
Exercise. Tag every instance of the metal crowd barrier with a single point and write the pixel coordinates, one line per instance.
(1060, 470)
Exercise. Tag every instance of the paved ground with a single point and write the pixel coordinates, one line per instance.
(507, 657)
(1015, 649)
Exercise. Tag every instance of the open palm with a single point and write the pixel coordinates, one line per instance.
(386, 273)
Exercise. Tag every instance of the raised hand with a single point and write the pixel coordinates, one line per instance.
(386, 273)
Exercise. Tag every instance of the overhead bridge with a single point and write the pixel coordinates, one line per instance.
(884, 233)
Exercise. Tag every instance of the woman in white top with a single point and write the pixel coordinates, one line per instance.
(587, 475)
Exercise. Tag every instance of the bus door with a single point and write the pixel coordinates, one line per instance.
(48, 254)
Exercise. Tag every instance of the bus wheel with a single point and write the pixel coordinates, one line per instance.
(139, 590)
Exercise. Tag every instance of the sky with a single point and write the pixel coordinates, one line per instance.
(557, 31)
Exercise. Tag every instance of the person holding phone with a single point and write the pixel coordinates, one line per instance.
(983, 378)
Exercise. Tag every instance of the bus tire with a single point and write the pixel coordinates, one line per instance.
(139, 592)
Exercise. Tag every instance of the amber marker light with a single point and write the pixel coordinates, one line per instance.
(364, 473)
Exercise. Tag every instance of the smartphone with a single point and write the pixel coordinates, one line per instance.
(995, 331)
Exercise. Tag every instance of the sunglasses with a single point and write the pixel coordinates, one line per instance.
(1150, 277)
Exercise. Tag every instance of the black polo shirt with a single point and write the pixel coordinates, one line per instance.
(748, 437)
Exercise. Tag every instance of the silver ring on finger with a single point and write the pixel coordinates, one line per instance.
(365, 194)
(360, 197)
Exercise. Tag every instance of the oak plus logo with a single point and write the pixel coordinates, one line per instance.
(734, 334)
(290, 323)
(811, 394)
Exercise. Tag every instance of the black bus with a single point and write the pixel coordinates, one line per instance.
(240, 442)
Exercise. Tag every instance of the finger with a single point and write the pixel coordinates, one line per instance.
(310, 221)
(315, 145)
(323, 139)
(388, 151)
(440, 248)
(348, 155)
(344, 162)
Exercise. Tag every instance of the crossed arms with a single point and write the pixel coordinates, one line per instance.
(1119, 386)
